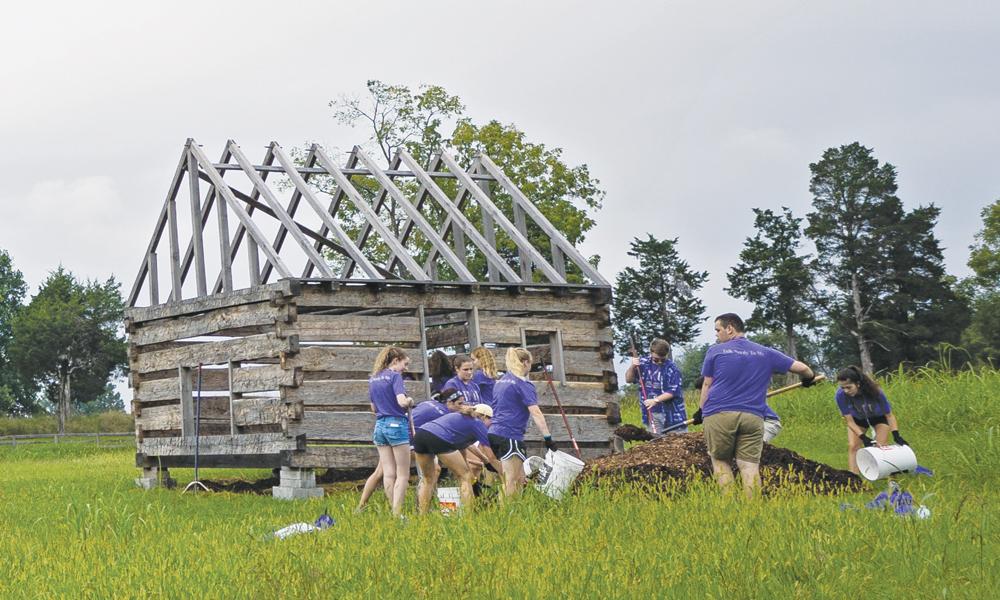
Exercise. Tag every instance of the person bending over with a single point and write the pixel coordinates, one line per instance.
(863, 405)
(737, 373)
(445, 438)
(516, 399)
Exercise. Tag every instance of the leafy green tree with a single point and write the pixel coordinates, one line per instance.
(657, 299)
(983, 334)
(108, 401)
(774, 277)
(14, 399)
(68, 339)
(890, 297)
(985, 257)
(692, 357)
(425, 119)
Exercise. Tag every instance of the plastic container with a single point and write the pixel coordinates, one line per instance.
(557, 473)
(449, 499)
(878, 462)
(533, 465)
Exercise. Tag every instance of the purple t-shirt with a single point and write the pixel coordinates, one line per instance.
(658, 379)
(511, 397)
(769, 414)
(485, 383)
(862, 407)
(458, 430)
(427, 411)
(383, 389)
(471, 390)
(741, 371)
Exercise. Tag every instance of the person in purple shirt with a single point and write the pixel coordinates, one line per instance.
(516, 399)
(737, 373)
(440, 404)
(661, 384)
(486, 373)
(439, 370)
(864, 405)
(772, 422)
(392, 432)
(465, 368)
(447, 438)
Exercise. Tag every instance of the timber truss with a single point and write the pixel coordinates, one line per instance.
(264, 221)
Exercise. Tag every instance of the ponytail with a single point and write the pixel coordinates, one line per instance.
(486, 361)
(386, 357)
(515, 361)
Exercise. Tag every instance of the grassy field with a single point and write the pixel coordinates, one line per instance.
(73, 525)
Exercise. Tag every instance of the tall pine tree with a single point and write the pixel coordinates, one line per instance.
(657, 299)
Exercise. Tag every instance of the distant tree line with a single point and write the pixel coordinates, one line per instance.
(875, 293)
(60, 349)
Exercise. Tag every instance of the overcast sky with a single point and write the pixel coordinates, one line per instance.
(690, 113)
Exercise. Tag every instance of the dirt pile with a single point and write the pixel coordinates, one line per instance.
(681, 457)
(334, 479)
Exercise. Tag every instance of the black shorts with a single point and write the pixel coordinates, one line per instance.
(506, 448)
(425, 442)
(871, 421)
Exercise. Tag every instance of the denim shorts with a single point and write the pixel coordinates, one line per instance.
(391, 431)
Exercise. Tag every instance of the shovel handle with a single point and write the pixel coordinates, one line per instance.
(793, 386)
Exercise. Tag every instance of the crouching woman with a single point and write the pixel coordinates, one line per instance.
(447, 438)
(863, 405)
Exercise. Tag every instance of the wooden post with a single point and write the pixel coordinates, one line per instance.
(556, 357)
(489, 232)
(153, 279)
(474, 337)
(175, 251)
(233, 365)
(422, 323)
(187, 401)
(196, 226)
(558, 259)
(522, 256)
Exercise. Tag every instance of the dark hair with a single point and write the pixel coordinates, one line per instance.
(660, 347)
(867, 386)
(700, 382)
(440, 367)
(448, 394)
(731, 319)
(460, 359)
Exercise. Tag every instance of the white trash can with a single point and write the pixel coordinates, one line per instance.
(557, 474)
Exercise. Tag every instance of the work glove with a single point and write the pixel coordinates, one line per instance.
(866, 441)
(549, 443)
(808, 381)
(697, 417)
(899, 439)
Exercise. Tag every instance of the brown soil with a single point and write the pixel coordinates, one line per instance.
(676, 459)
(632, 433)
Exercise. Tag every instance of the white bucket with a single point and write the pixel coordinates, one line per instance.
(533, 465)
(878, 462)
(557, 473)
(449, 499)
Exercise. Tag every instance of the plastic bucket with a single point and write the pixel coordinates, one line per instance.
(534, 464)
(449, 499)
(878, 462)
(558, 473)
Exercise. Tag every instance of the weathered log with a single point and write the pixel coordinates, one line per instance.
(444, 298)
(250, 443)
(343, 393)
(343, 358)
(507, 330)
(356, 328)
(270, 292)
(214, 322)
(249, 348)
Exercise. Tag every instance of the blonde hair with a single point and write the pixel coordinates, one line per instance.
(486, 361)
(386, 358)
(515, 361)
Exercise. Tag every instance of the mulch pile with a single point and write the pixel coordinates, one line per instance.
(676, 459)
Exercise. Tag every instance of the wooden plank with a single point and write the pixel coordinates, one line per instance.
(344, 358)
(175, 250)
(197, 224)
(574, 394)
(247, 443)
(448, 336)
(475, 329)
(157, 390)
(153, 279)
(244, 315)
(441, 298)
(280, 289)
(523, 259)
(421, 222)
(263, 411)
(260, 379)
(575, 332)
(353, 427)
(214, 409)
(578, 362)
(422, 325)
(356, 328)
(186, 408)
(249, 348)
(345, 392)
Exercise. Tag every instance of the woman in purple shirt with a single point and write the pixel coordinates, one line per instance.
(465, 368)
(447, 438)
(515, 399)
(392, 432)
(486, 373)
(863, 404)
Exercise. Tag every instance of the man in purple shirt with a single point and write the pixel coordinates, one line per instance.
(737, 373)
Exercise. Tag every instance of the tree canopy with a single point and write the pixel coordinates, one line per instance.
(14, 398)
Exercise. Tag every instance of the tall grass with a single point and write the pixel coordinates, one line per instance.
(75, 526)
(110, 422)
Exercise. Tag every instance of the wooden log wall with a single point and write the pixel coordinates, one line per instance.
(285, 366)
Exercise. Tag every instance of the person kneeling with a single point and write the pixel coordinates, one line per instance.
(446, 437)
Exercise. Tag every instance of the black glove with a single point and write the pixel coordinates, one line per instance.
(490, 468)
(808, 381)
(697, 418)
(899, 439)
(866, 441)
(549, 443)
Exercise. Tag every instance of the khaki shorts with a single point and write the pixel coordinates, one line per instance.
(739, 434)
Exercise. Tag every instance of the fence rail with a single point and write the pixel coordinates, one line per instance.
(14, 440)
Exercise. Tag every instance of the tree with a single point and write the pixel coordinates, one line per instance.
(884, 265)
(399, 117)
(657, 299)
(14, 399)
(983, 334)
(692, 357)
(984, 259)
(775, 278)
(108, 401)
(67, 340)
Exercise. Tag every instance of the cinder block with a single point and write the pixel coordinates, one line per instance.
(153, 477)
(289, 493)
(298, 478)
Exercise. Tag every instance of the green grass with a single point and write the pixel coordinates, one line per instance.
(110, 422)
(72, 524)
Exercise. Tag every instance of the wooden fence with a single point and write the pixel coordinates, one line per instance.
(34, 438)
